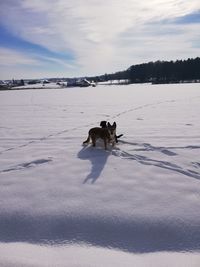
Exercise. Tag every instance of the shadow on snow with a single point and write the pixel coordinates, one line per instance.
(133, 235)
(98, 159)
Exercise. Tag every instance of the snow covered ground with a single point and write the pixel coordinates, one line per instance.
(64, 204)
(37, 86)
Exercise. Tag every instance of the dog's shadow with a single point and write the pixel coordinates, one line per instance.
(98, 158)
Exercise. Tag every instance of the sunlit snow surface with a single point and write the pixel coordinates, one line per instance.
(64, 204)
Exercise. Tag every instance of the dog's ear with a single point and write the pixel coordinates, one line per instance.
(109, 125)
(114, 124)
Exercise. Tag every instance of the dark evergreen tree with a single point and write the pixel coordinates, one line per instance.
(166, 71)
(157, 72)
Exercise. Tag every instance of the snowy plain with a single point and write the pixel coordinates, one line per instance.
(64, 204)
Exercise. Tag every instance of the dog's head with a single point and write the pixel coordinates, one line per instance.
(103, 124)
(112, 129)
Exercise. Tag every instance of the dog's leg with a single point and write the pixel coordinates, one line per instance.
(105, 143)
(113, 143)
(93, 140)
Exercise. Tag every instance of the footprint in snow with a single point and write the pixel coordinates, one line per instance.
(26, 165)
(196, 164)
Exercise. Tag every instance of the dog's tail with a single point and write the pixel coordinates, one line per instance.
(118, 136)
(87, 141)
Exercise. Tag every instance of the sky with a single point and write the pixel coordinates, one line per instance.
(47, 38)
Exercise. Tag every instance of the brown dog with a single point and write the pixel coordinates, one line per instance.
(106, 134)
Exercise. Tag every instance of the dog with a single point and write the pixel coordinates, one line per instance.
(104, 125)
(106, 134)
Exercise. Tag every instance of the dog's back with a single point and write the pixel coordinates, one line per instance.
(96, 133)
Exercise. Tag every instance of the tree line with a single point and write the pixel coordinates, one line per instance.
(158, 72)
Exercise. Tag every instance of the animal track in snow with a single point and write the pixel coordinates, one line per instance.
(165, 150)
(149, 147)
(141, 107)
(90, 125)
(196, 164)
(26, 165)
(157, 163)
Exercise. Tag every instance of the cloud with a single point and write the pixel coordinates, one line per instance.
(19, 65)
(101, 35)
(9, 57)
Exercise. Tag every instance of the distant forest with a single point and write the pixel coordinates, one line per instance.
(158, 72)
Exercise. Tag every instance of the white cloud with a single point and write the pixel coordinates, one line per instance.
(92, 29)
(57, 61)
(20, 65)
(9, 57)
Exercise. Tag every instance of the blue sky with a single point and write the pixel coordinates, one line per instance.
(46, 38)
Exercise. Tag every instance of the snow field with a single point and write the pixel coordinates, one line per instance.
(66, 199)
